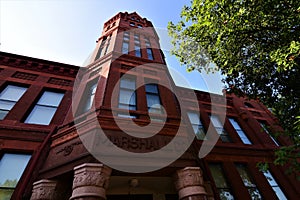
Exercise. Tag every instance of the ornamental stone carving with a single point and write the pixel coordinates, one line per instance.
(90, 181)
(189, 183)
(43, 190)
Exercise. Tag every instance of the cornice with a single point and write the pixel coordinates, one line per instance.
(36, 64)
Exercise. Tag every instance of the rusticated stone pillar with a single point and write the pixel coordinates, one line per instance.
(90, 181)
(189, 184)
(43, 190)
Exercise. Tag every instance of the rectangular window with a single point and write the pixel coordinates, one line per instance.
(239, 131)
(219, 128)
(44, 110)
(197, 125)
(150, 54)
(127, 96)
(125, 47)
(148, 49)
(107, 44)
(9, 97)
(136, 38)
(153, 99)
(265, 128)
(90, 96)
(12, 167)
(248, 182)
(274, 185)
(222, 186)
(100, 48)
(137, 50)
(126, 36)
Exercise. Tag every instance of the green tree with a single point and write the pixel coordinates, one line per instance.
(256, 45)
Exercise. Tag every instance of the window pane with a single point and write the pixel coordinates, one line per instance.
(12, 93)
(194, 118)
(247, 180)
(243, 137)
(137, 50)
(127, 83)
(127, 97)
(50, 98)
(41, 115)
(125, 47)
(274, 185)
(153, 101)
(265, 128)
(220, 182)
(11, 168)
(215, 120)
(149, 53)
(6, 105)
(151, 88)
(6, 193)
(3, 113)
(239, 131)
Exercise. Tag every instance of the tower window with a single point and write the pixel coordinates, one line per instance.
(248, 181)
(90, 96)
(239, 131)
(127, 97)
(125, 47)
(44, 110)
(219, 128)
(137, 50)
(150, 54)
(148, 49)
(9, 97)
(12, 167)
(222, 186)
(132, 24)
(197, 125)
(139, 26)
(153, 99)
(100, 48)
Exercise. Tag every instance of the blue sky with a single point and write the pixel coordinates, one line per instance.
(66, 30)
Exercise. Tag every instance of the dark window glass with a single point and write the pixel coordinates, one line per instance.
(248, 182)
(222, 186)
(137, 50)
(153, 99)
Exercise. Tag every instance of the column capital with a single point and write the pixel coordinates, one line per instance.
(90, 181)
(189, 182)
(43, 190)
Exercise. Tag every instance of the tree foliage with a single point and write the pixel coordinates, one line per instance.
(254, 43)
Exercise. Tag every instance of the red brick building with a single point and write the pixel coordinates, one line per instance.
(53, 115)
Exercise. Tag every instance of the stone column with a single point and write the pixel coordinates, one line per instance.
(43, 190)
(189, 184)
(90, 181)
